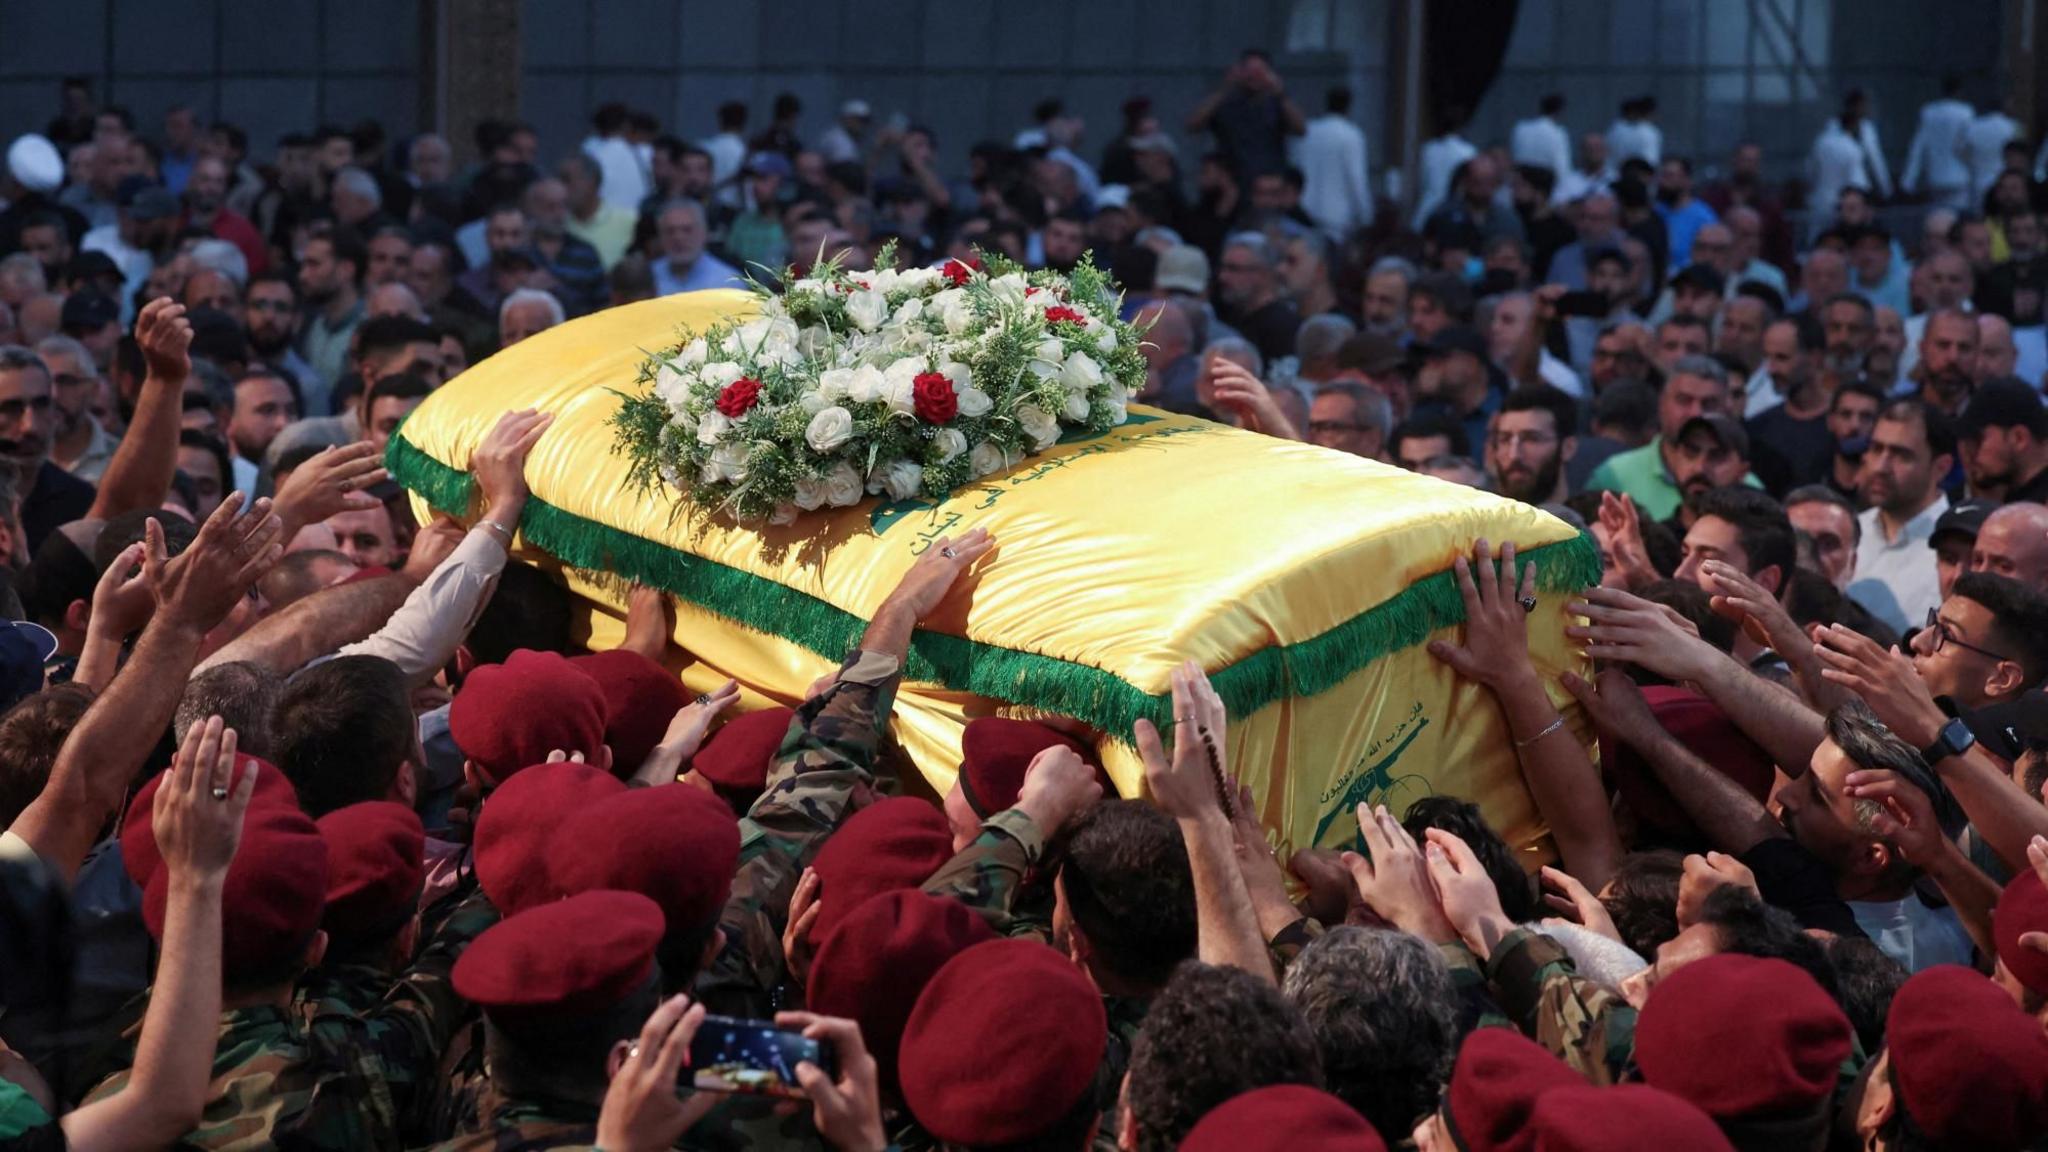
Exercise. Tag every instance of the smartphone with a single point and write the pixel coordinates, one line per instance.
(752, 1056)
(1583, 304)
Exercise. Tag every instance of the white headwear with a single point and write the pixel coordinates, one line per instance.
(34, 162)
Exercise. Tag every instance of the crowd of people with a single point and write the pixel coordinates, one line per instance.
(322, 832)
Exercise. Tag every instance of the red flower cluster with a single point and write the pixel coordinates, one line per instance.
(737, 397)
(1061, 314)
(932, 395)
(957, 272)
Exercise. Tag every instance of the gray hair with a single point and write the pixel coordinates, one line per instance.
(14, 358)
(1380, 1005)
(1703, 367)
(1238, 348)
(676, 202)
(1371, 408)
(61, 345)
(24, 269)
(360, 183)
(1395, 264)
(220, 256)
(532, 296)
(1257, 244)
(241, 693)
(1319, 337)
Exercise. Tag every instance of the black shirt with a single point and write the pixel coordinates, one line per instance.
(1271, 329)
(1786, 452)
(2034, 490)
(57, 499)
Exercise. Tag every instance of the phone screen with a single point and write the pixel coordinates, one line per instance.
(752, 1056)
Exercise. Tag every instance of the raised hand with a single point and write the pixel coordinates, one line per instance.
(432, 544)
(796, 931)
(1058, 786)
(686, 731)
(1575, 902)
(1394, 879)
(334, 481)
(933, 575)
(1625, 539)
(1242, 394)
(1186, 784)
(1623, 626)
(1496, 647)
(642, 1111)
(2037, 858)
(1617, 707)
(202, 585)
(500, 463)
(847, 1110)
(1702, 875)
(124, 598)
(166, 339)
(647, 622)
(1906, 814)
(1470, 902)
(1886, 681)
(198, 809)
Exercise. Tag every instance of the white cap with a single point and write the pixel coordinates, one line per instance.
(854, 108)
(1112, 196)
(34, 162)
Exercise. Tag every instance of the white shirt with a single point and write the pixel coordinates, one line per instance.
(1934, 151)
(1896, 579)
(1439, 162)
(838, 146)
(1631, 138)
(1335, 191)
(134, 263)
(1836, 162)
(1762, 395)
(1915, 935)
(1982, 148)
(728, 152)
(1763, 272)
(625, 178)
(1558, 374)
(1543, 142)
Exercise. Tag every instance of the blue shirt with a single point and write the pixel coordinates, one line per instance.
(708, 272)
(1682, 224)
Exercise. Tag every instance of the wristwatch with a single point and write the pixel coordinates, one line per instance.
(1954, 740)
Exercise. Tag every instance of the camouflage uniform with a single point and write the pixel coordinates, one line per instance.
(998, 876)
(278, 1085)
(516, 1124)
(1475, 1003)
(823, 773)
(1587, 1025)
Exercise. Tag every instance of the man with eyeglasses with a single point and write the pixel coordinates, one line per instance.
(1349, 416)
(27, 422)
(79, 445)
(1533, 438)
(1986, 644)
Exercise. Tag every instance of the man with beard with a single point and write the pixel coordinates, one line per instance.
(27, 423)
(1749, 531)
(1457, 381)
(1792, 439)
(1385, 307)
(2004, 435)
(1997, 353)
(1948, 356)
(206, 210)
(330, 276)
(1911, 450)
(1852, 415)
(1534, 437)
(1848, 325)
(265, 402)
(1887, 348)
(1683, 214)
(1621, 351)
(1711, 451)
(270, 315)
(1825, 517)
(1697, 386)
(1248, 286)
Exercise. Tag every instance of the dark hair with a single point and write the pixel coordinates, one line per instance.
(1337, 99)
(1129, 887)
(380, 335)
(1447, 289)
(1429, 425)
(1213, 1033)
(1666, 551)
(31, 734)
(1551, 104)
(1642, 899)
(1463, 819)
(1863, 388)
(1383, 1012)
(343, 729)
(565, 1054)
(530, 609)
(2019, 618)
(398, 386)
(1940, 431)
(1691, 601)
(1747, 926)
(348, 248)
(1632, 404)
(609, 119)
(1866, 979)
(732, 115)
(1564, 411)
(1761, 526)
(242, 693)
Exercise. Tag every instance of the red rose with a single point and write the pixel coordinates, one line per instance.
(1061, 314)
(735, 398)
(932, 395)
(957, 272)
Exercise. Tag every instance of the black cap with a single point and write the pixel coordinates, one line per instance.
(91, 264)
(513, 257)
(218, 337)
(2008, 727)
(88, 310)
(2007, 402)
(24, 648)
(1726, 430)
(1962, 519)
(1456, 338)
(1701, 277)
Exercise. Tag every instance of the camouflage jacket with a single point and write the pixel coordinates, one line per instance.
(823, 773)
(277, 1084)
(1126, 1017)
(520, 1124)
(1589, 1026)
(996, 875)
(1475, 1004)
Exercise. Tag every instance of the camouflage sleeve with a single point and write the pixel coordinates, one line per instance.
(823, 772)
(1288, 942)
(1475, 1003)
(988, 874)
(411, 1029)
(1587, 1025)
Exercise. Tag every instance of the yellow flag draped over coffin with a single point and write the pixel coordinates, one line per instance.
(1305, 581)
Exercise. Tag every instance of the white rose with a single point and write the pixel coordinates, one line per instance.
(1118, 412)
(909, 312)
(693, 354)
(1011, 287)
(1105, 340)
(899, 388)
(671, 386)
(731, 462)
(835, 383)
(901, 479)
(810, 494)
(809, 285)
(1047, 359)
(719, 373)
(813, 341)
(1040, 427)
(867, 310)
(1076, 410)
(712, 427)
(1080, 373)
(956, 311)
(783, 514)
(884, 281)
(974, 402)
(867, 384)
(917, 279)
(829, 429)
(986, 459)
(960, 374)
(842, 486)
(812, 403)
(950, 443)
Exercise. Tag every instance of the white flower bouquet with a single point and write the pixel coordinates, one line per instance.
(902, 383)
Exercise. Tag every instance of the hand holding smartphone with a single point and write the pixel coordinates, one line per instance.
(753, 1057)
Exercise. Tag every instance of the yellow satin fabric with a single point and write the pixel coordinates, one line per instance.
(1162, 541)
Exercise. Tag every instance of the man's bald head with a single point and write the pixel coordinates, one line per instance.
(2014, 542)
(1166, 328)
(1997, 355)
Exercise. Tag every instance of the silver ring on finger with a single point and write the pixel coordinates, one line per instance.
(219, 793)
(949, 554)
(633, 1050)
(1528, 603)
(703, 699)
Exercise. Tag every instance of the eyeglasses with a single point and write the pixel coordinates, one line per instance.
(1944, 637)
(12, 410)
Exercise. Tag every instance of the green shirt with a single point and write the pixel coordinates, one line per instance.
(1640, 474)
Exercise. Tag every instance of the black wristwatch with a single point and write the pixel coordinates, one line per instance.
(1954, 740)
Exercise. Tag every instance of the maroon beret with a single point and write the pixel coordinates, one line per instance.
(1628, 1118)
(1293, 1117)
(673, 844)
(890, 844)
(640, 698)
(138, 839)
(581, 955)
(515, 832)
(880, 956)
(1003, 1043)
(2023, 908)
(995, 752)
(510, 715)
(1498, 1077)
(1971, 1068)
(738, 754)
(1778, 1040)
(375, 865)
(1700, 725)
(271, 902)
